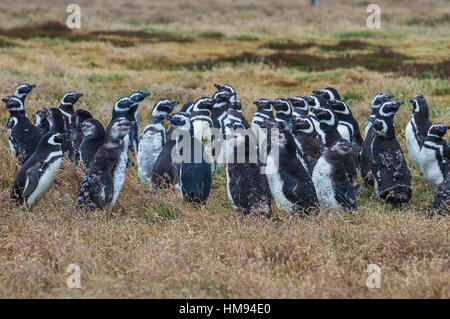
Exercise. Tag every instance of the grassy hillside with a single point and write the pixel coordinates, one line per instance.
(154, 245)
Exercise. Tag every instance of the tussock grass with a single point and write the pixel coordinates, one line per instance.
(152, 244)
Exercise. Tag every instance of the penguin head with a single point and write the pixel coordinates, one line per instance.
(328, 93)
(341, 146)
(388, 109)
(325, 116)
(23, 89)
(124, 104)
(203, 104)
(438, 130)
(92, 126)
(228, 88)
(299, 102)
(54, 138)
(70, 98)
(55, 118)
(221, 98)
(119, 128)
(381, 127)
(379, 99)
(13, 103)
(162, 108)
(419, 104)
(179, 121)
(317, 100)
(285, 141)
(236, 105)
(339, 106)
(282, 106)
(187, 107)
(138, 96)
(80, 116)
(263, 105)
(302, 124)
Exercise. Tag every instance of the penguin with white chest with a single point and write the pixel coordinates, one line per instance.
(377, 101)
(152, 139)
(331, 181)
(435, 155)
(391, 175)
(103, 179)
(132, 115)
(38, 173)
(247, 189)
(202, 123)
(94, 137)
(290, 184)
(417, 129)
(23, 136)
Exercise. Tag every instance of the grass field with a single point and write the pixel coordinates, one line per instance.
(153, 245)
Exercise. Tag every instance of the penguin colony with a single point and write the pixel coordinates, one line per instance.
(302, 153)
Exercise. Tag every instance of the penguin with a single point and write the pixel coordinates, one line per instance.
(58, 124)
(152, 139)
(195, 167)
(187, 107)
(300, 105)
(166, 170)
(234, 114)
(247, 188)
(227, 88)
(347, 125)
(310, 146)
(441, 200)
(283, 110)
(103, 179)
(21, 91)
(23, 136)
(220, 107)
(417, 129)
(290, 184)
(41, 122)
(38, 173)
(76, 133)
(391, 175)
(329, 93)
(328, 126)
(123, 108)
(315, 101)
(132, 115)
(377, 101)
(94, 137)
(264, 112)
(388, 109)
(202, 124)
(66, 108)
(435, 155)
(331, 181)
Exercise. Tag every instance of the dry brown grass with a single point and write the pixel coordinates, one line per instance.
(154, 245)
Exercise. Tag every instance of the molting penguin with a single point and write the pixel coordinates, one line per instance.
(247, 189)
(153, 138)
(435, 154)
(23, 136)
(441, 201)
(417, 129)
(103, 179)
(300, 105)
(283, 110)
(378, 100)
(387, 110)
(289, 182)
(76, 133)
(94, 138)
(41, 122)
(132, 115)
(331, 181)
(38, 173)
(329, 93)
(391, 175)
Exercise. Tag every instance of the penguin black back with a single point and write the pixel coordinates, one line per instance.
(94, 136)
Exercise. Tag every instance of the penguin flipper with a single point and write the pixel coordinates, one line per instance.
(345, 195)
(33, 174)
(296, 193)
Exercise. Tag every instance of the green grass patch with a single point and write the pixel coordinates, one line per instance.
(162, 210)
(98, 78)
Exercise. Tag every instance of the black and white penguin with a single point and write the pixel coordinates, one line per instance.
(347, 125)
(103, 179)
(41, 122)
(218, 114)
(316, 101)
(441, 201)
(331, 181)
(435, 154)
(153, 138)
(308, 143)
(387, 110)
(377, 101)
(76, 133)
(283, 111)
(391, 174)
(123, 108)
(264, 112)
(66, 107)
(328, 126)
(21, 91)
(329, 93)
(220, 107)
(187, 107)
(58, 124)
(417, 129)
(23, 136)
(247, 188)
(132, 115)
(94, 137)
(234, 114)
(227, 88)
(290, 184)
(300, 105)
(38, 173)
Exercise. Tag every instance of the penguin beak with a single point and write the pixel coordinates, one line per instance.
(168, 117)
(5, 100)
(446, 128)
(316, 92)
(218, 86)
(399, 103)
(174, 103)
(411, 101)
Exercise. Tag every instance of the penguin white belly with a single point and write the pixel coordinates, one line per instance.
(345, 132)
(413, 146)
(430, 167)
(323, 184)
(150, 146)
(230, 197)
(276, 186)
(367, 127)
(119, 176)
(46, 180)
(11, 146)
